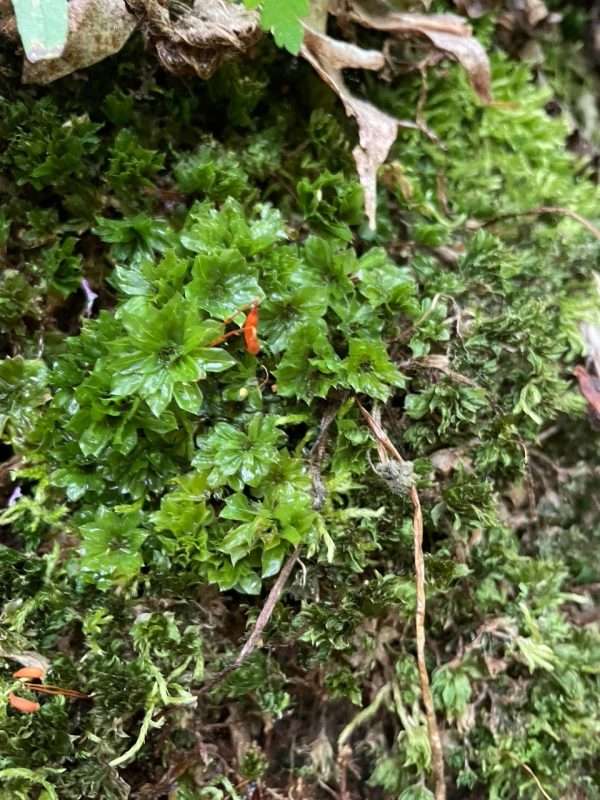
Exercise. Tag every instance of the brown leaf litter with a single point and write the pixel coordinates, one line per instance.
(377, 130)
(196, 40)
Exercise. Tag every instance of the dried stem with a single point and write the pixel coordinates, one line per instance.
(437, 753)
(565, 212)
(317, 454)
(386, 447)
(260, 624)
(536, 780)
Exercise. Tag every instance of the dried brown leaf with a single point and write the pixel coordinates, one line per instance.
(473, 8)
(97, 29)
(589, 386)
(377, 130)
(448, 459)
(447, 32)
(591, 336)
(521, 13)
(536, 11)
(339, 55)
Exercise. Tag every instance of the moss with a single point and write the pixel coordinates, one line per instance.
(166, 473)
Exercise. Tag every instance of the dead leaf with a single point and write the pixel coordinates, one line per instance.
(536, 11)
(473, 8)
(447, 32)
(589, 386)
(28, 658)
(590, 333)
(448, 459)
(495, 666)
(377, 133)
(97, 29)
(201, 37)
(524, 12)
(377, 130)
(441, 363)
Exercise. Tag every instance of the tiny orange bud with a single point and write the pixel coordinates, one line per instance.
(29, 673)
(23, 705)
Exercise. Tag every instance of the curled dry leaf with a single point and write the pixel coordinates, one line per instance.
(377, 130)
(591, 337)
(446, 32)
(473, 8)
(201, 37)
(519, 14)
(97, 29)
(526, 14)
(589, 386)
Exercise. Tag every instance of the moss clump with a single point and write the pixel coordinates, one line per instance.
(166, 474)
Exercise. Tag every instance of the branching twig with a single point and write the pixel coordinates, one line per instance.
(565, 212)
(386, 448)
(259, 626)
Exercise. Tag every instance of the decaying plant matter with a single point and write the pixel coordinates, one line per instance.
(398, 475)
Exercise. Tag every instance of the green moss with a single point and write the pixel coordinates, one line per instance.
(166, 474)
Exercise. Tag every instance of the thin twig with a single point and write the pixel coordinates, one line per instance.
(364, 715)
(259, 626)
(565, 212)
(344, 756)
(385, 445)
(317, 454)
(437, 753)
(530, 772)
